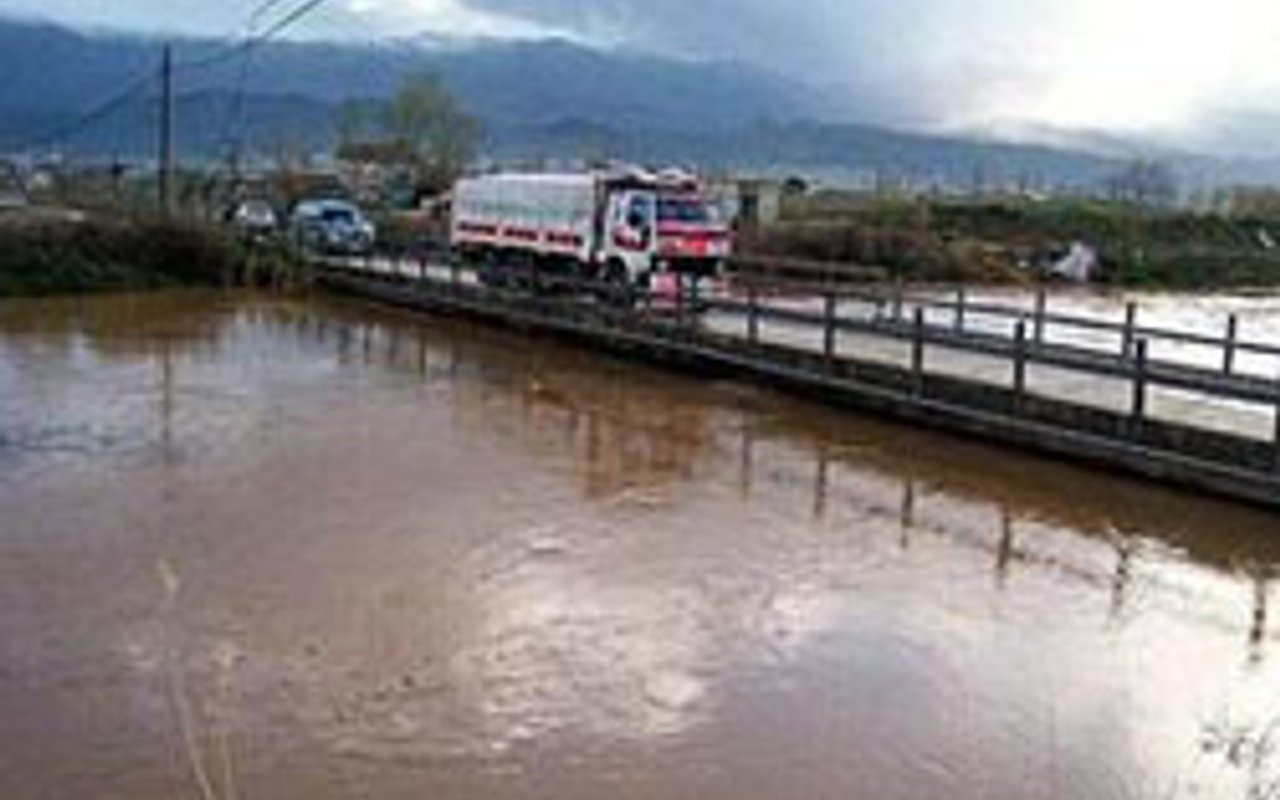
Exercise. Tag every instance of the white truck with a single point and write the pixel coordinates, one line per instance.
(625, 227)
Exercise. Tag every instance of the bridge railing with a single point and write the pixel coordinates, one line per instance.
(893, 314)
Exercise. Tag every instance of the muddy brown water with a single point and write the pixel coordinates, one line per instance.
(302, 548)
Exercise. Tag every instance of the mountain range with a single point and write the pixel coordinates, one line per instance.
(536, 100)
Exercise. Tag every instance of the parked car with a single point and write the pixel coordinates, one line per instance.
(255, 220)
(332, 227)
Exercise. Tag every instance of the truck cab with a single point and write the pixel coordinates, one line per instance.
(663, 228)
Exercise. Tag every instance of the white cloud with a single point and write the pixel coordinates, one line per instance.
(1128, 65)
(444, 17)
(1151, 64)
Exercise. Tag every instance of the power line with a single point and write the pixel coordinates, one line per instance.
(94, 115)
(261, 11)
(138, 86)
(257, 40)
(234, 128)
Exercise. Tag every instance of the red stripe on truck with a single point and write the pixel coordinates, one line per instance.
(477, 228)
(564, 239)
(521, 234)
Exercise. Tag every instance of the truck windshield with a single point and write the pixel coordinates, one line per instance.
(685, 209)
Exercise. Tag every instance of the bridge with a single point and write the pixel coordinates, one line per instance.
(1185, 408)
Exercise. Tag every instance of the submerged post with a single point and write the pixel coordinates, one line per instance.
(1229, 345)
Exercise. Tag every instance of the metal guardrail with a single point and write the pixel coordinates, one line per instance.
(1127, 330)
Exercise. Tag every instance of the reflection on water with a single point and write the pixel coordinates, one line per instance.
(303, 548)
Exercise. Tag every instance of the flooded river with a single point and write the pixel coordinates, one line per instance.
(301, 548)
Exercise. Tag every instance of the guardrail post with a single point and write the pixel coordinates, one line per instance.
(1130, 326)
(917, 352)
(1020, 365)
(829, 329)
(1042, 311)
(961, 298)
(1139, 382)
(680, 300)
(1229, 345)
(1275, 438)
(753, 314)
(645, 288)
(897, 299)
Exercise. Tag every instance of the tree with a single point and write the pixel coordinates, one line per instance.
(1145, 183)
(421, 129)
(358, 122)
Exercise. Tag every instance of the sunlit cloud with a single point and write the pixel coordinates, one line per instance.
(1126, 65)
(1149, 64)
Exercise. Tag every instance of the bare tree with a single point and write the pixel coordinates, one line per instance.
(421, 129)
(1146, 183)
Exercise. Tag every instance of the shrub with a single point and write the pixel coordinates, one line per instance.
(60, 256)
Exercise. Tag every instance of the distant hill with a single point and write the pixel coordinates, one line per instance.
(546, 99)
(51, 72)
(838, 152)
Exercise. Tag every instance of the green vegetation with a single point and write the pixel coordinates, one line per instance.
(1016, 240)
(60, 256)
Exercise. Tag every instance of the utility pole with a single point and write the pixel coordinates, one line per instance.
(166, 131)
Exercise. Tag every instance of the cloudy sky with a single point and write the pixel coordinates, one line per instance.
(1121, 65)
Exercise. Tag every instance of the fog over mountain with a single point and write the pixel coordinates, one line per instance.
(53, 72)
(536, 98)
(1191, 74)
(589, 91)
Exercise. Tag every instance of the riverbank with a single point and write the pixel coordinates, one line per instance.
(46, 256)
(1014, 242)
